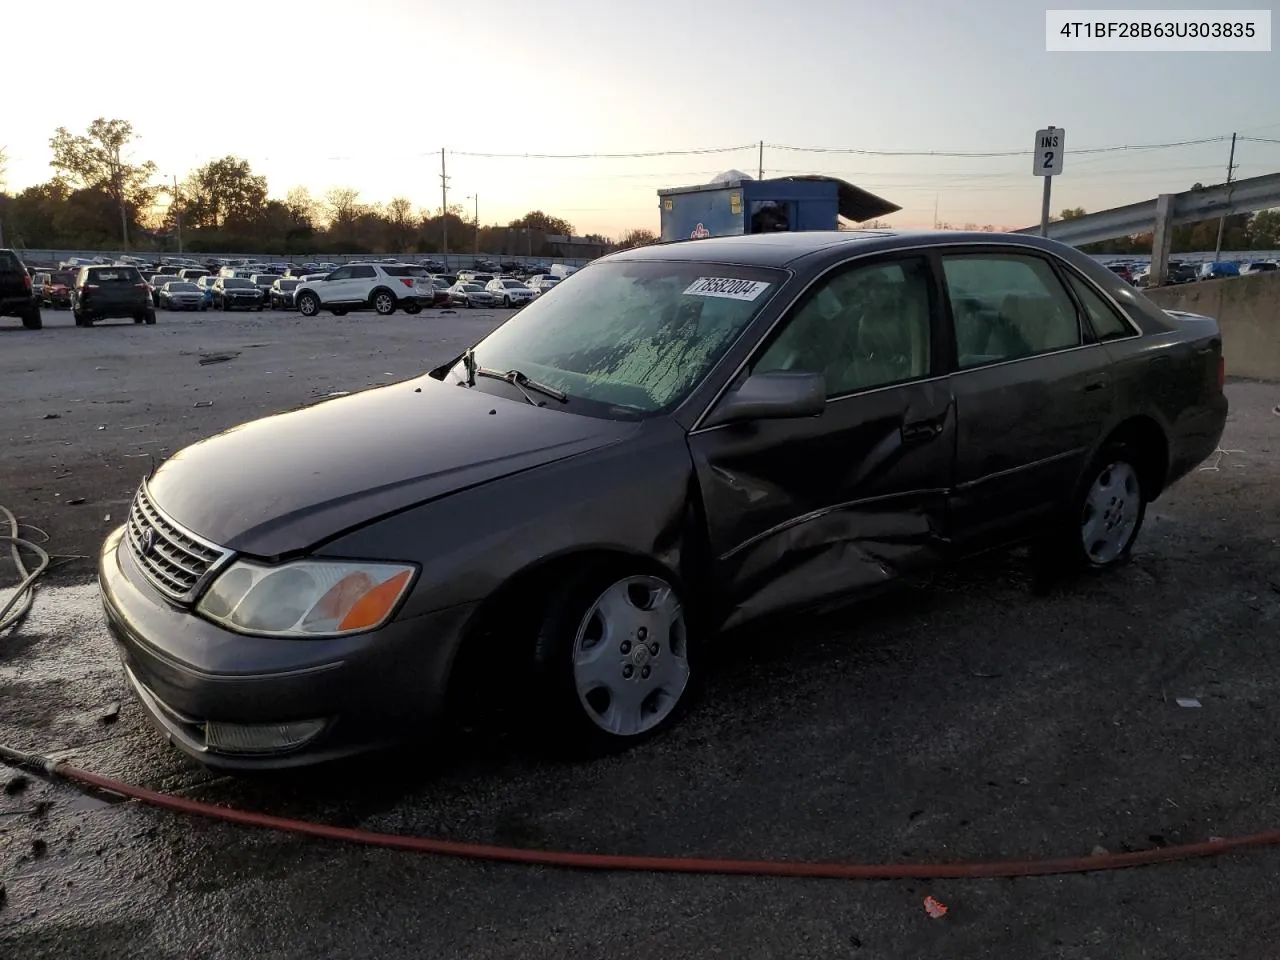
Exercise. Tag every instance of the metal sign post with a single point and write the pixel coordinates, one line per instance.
(1050, 144)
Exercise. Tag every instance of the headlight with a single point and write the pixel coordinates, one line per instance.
(307, 598)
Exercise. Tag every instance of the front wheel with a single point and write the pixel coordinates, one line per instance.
(612, 654)
(506, 302)
(150, 318)
(32, 320)
(308, 305)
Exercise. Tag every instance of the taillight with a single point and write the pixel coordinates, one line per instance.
(88, 286)
(406, 281)
(141, 286)
(1222, 373)
(26, 277)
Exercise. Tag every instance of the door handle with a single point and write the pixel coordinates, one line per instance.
(922, 430)
(1100, 382)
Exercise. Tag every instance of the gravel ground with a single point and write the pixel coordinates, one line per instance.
(961, 718)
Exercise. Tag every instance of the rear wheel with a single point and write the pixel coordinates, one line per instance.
(412, 308)
(139, 317)
(32, 319)
(82, 320)
(1106, 514)
(150, 318)
(384, 302)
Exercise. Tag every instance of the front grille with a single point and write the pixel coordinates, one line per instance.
(177, 562)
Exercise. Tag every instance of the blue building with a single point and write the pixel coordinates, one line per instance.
(736, 204)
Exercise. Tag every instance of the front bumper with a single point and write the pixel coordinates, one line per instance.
(238, 303)
(362, 692)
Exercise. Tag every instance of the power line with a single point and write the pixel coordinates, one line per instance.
(642, 155)
(990, 153)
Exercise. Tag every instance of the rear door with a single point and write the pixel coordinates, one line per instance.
(116, 288)
(1032, 390)
(803, 510)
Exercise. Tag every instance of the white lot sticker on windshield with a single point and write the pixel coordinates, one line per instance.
(726, 287)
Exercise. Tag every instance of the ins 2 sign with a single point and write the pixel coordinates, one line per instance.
(1050, 145)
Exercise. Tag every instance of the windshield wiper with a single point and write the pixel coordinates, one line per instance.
(519, 381)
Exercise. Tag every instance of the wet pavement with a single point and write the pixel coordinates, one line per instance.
(963, 717)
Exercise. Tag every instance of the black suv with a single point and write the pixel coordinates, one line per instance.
(104, 293)
(17, 298)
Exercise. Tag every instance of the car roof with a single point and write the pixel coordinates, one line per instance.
(784, 249)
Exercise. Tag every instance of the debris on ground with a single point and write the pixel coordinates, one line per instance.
(16, 785)
(203, 403)
(1188, 702)
(208, 358)
(935, 908)
(1100, 851)
(75, 501)
(39, 847)
(111, 714)
(52, 416)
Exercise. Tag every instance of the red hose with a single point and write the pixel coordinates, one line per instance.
(602, 861)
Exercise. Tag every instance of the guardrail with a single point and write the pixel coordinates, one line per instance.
(454, 261)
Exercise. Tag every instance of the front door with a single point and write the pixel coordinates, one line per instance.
(1032, 392)
(800, 511)
(335, 287)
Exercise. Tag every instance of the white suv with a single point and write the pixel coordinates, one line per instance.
(509, 292)
(367, 286)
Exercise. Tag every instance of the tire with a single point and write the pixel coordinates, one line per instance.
(384, 302)
(259, 308)
(634, 693)
(1106, 513)
(470, 305)
(412, 308)
(150, 318)
(308, 304)
(82, 320)
(139, 318)
(204, 307)
(506, 302)
(32, 320)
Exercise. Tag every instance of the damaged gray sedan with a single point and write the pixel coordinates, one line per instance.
(685, 437)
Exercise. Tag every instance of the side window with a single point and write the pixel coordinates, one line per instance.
(1007, 306)
(1106, 323)
(363, 273)
(863, 327)
(342, 273)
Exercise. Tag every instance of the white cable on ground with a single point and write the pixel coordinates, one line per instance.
(19, 604)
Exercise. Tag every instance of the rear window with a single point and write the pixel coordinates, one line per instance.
(180, 286)
(406, 271)
(9, 261)
(114, 275)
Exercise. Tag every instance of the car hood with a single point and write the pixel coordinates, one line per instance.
(288, 482)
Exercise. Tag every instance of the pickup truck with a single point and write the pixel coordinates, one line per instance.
(17, 298)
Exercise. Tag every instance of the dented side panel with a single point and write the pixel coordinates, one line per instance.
(802, 510)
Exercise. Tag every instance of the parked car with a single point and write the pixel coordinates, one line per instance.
(57, 290)
(509, 292)
(182, 295)
(39, 280)
(264, 282)
(441, 296)
(107, 293)
(1218, 270)
(367, 286)
(17, 296)
(193, 274)
(282, 291)
(154, 282)
(1257, 266)
(541, 284)
(685, 438)
(236, 293)
(467, 294)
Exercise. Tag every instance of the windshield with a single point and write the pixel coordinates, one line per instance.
(232, 283)
(510, 284)
(181, 287)
(63, 279)
(632, 334)
(472, 287)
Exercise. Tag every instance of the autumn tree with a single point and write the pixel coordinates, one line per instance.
(224, 191)
(541, 222)
(302, 207)
(342, 206)
(638, 237)
(98, 160)
(401, 222)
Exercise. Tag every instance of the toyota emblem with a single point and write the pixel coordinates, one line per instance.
(148, 542)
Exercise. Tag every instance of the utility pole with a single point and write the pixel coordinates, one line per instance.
(936, 198)
(1222, 221)
(444, 210)
(477, 250)
(177, 203)
(761, 167)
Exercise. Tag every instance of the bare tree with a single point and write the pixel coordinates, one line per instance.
(97, 160)
(342, 205)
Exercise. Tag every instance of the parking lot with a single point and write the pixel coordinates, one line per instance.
(964, 717)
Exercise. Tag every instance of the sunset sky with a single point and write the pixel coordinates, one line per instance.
(366, 94)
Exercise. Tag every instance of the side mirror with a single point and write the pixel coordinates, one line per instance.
(778, 395)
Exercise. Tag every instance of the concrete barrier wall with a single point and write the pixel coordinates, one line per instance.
(1248, 308)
